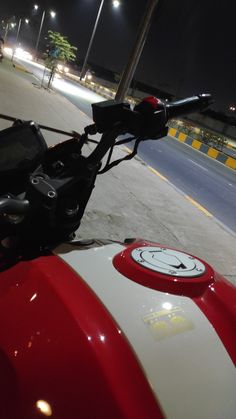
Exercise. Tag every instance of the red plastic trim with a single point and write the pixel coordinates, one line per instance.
(218, 303)
(190, 287)
(58, 343)
(212, 293)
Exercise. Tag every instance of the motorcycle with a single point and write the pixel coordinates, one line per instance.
(99, 328)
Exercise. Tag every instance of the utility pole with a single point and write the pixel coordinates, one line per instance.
(17, 36)
(130, 68)
(39, 34)
(83, 71)
(6, 31)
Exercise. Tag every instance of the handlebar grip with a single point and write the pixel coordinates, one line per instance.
(13, 206)
(189, 105)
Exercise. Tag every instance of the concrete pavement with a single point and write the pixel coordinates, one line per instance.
(21, 97)
(131, 200)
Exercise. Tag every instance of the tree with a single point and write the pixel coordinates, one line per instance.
(60, 50)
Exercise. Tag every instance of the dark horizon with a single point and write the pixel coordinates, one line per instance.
(190, 47)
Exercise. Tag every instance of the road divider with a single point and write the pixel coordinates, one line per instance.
(203, 148)
(107, 93)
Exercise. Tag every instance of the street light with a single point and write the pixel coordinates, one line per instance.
(115, 4)
(137, 51)
(52, 14)
(17, 36)
(9, 25)
(6, 31)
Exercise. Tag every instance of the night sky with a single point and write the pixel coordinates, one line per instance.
(190, 47)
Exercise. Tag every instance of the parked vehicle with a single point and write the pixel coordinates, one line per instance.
(98, 328)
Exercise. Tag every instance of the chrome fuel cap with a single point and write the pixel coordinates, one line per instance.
(168, 261)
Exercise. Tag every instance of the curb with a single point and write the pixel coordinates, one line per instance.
(103, 91)
(20, 68)
(203, 148)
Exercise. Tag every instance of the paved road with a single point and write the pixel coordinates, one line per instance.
(205, 180)
(208, 182)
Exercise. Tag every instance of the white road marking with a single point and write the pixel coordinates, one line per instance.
(199, 165)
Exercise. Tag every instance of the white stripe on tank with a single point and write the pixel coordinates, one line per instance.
(183, 358)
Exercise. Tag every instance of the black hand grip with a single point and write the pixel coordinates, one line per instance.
(13, 206)
(188, 105)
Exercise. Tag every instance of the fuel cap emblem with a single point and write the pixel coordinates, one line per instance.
(168, 261)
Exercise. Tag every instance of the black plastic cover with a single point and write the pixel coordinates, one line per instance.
(22, 148)
(108, 113)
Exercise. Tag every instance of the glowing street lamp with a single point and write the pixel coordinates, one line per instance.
(115, 4)
(53, 15)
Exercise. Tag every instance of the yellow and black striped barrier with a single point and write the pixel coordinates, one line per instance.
(198, 145)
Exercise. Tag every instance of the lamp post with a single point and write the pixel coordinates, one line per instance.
(137, 51)
(8, 26)
(17, 36)
(52, 14)
(6, 32)
(116, 4)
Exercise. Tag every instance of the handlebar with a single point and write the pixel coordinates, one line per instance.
(147, 120)
(58, 188)
(188, 105)
(14, 206)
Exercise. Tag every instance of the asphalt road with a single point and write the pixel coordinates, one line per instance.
(205, 180)
(208, 182)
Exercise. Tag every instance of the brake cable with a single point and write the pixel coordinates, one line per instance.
(120, 142)
(118, 161)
